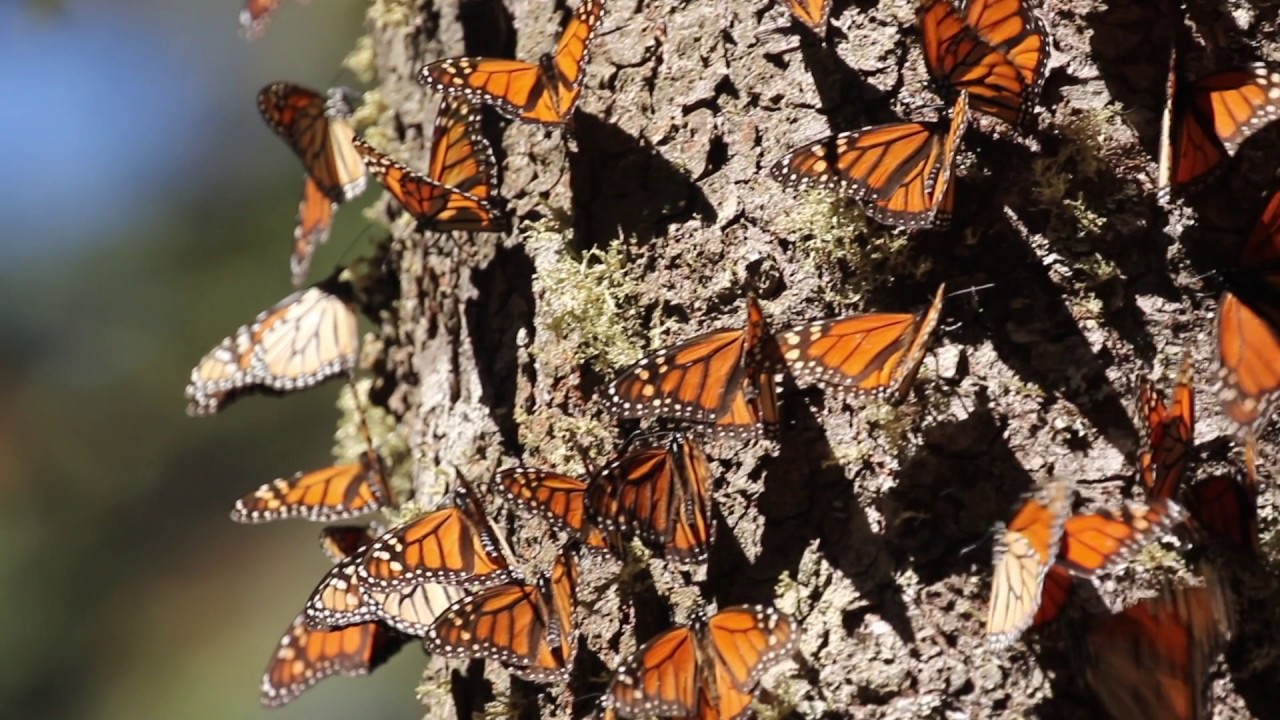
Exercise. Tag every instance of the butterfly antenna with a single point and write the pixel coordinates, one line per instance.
(972, 290)
(977, 543)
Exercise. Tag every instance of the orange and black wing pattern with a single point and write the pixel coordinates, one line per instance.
(307, 338)
(332, 493)
(559, 499)
(813, 13)
(875, 353)
(1104, 540)
(306, 656)
(527, 628)
(1170, 435)
(721, 377)
(901, 173)
(316, 127)
(707, 671)
(1058, 584)
(546, 92)
(1153, 659)
(995, 50)
(661, 494)
(1023, 555)
(1226, 509)
(1205, 121)
(454, 545)
(459, 190)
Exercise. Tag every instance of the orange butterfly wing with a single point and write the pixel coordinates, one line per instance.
(1170, 435)
(1023, 557)
(307, 338)
(899, 172)
(314, 221)
(996, 51)
(661, 494)
(560, 499)
(332, 493)
(1153, 659)
(1249, 374)
(723, 377)
(544, 93)
(527, 628)
(813, 13)
(1058, 584)
(454, 545)
(1106, 539)
(662, 677)
(255, 16)
(305, 656)
(876, 353)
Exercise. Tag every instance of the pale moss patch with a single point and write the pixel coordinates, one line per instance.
(1057, 180)
(361, 61)
(587, 302)
(559, 436)
(392, 13)
(837, 240)
(372, 109)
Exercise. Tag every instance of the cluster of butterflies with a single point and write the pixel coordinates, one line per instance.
(447, 577)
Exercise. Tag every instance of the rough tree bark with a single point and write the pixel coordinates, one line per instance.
(869, 523)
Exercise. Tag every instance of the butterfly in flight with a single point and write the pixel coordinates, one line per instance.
(873, 353)
(1170, 434)
(318, 130)
(559, 499)
(710, 670)
(727, 378)
(454, 545)
(307, 338)
(1044, 533)
(1249, 328)
(460, 187)
(529, 628)
(659, 492)
(995, 50)
(1205, 121)
(255, 15)
(544, 93)
(813, 13)
(1152, 661)
(305, 655)
(333, 493)
(900, 173)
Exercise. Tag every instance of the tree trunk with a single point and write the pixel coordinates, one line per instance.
(868, 522)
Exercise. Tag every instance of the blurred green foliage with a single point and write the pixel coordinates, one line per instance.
(126, 591)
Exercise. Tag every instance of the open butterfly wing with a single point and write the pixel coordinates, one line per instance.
(315, 219)
(315, 127)
(1248, 373)
(454, 545)
(414, 609)
(690, 381)
(1058, 585)
(1023, 557)
(309, 337)
(662, 678)
(875, 353)
(747, 641)
(1170, 435)
(338, 600)
(333, 493)
(559, 499)
(461, 157)
(305, 656)
(436, 206)
(1103, 540)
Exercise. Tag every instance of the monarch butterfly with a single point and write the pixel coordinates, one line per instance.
(1170, 434)
(560, 499)
(1248, 340)
(457, 191)
(900, 172)
(527, 628)
(1044, 533)
(996, 50)
(1206, 121)
(726, 377)
(872, 353)
(454, 545)
(660, 493)
(545, 93)
(1152, 661)
(305, 339)
(332, 493)
(306, 655)
(710, 670)
(1058, 585)
(1227, 509)
(813, 13)
(316, 128)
